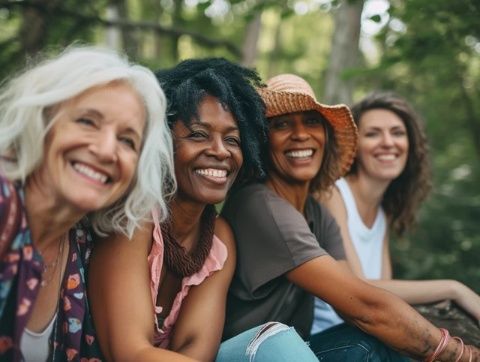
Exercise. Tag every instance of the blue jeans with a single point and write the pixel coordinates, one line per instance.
(348, 343)
(270, 342)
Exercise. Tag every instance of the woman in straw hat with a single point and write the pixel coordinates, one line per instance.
(282, 236)
(162, 295)
(78, 134)
(382, 191)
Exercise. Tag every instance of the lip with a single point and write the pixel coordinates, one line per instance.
(92, 174)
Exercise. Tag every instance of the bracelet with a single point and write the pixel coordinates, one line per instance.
(444, 339)
(462, 350)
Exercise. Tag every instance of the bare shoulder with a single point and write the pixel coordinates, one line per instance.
(224, 231)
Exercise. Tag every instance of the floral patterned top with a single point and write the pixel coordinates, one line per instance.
(73, 337)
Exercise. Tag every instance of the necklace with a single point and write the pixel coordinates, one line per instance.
(177, 260)
(52, 266)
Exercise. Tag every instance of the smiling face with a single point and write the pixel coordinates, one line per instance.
(382, 145)
(208, 156)
(92, 149)
(297, 144)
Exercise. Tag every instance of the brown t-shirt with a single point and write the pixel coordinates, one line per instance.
(273, 238)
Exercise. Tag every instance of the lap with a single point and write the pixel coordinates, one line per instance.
(348, 343)
(266, 343)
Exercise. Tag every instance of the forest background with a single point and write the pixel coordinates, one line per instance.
(428, 51)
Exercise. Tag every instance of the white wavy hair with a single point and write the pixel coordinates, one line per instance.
(24, 125)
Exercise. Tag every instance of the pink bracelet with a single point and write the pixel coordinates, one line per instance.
(441, 345)
(470, 355)
(463, 348)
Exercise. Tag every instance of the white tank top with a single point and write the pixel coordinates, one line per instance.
(368, 243)
(35, 346)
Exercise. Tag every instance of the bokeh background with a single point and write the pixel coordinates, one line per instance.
(428, 51)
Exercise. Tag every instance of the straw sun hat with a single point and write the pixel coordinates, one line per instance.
(288, 93)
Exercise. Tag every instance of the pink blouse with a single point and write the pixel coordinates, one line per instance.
(214, 262)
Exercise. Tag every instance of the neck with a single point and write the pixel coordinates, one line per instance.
(48, 218)
(295, 194)
(368, 195)
(185, 218)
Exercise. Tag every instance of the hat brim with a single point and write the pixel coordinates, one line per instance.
(339, 117)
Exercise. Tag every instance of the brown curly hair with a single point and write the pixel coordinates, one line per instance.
(405, 193)
(329, 171)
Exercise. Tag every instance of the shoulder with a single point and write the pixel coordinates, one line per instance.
(258, 204)
(224, 233)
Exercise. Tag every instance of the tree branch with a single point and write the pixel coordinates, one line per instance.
(131, 25)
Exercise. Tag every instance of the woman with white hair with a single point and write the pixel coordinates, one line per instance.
(83, 144)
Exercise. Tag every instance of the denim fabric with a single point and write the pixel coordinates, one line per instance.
(348, 343)
(270, 342)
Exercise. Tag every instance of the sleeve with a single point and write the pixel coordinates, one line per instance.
(330, 237)
(272, 237)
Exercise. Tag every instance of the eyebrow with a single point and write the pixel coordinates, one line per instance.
(209, 126)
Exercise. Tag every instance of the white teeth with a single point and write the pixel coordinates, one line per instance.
(300, 153)
(87, 171)
(386, 157)
(212, 172)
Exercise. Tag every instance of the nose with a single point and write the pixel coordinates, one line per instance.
(299, 132)
(104, 146)
(387, 140)
(217, 149)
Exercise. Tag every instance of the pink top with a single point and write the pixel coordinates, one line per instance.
(215, 261)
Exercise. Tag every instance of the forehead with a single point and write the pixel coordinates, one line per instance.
(380, 118)
(212, 113)
(114, 102)
(298, 115)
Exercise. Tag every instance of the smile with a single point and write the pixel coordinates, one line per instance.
(90, 173)
(299, 153)
(389, 157)
(212, 172)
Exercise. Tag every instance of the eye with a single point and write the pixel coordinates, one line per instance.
(234, 141)
(86, 121)
(278, 124)
(129, 142)
(370, 134)
(399, 133)
(314, 121)
(198, 135)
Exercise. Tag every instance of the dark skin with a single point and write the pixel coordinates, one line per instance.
(293, 148)
(207, 160)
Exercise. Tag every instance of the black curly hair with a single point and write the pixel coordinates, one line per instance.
(185, 86)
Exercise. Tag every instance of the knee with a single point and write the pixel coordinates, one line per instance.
(279, 342)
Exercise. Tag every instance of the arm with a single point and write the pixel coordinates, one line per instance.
(334, 203)
(199, 328)
(119, 292)
(411, 291)
(373, 310)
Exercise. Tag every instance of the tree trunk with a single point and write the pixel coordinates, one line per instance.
(344, 53)
(33, 32)
(249, 49)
